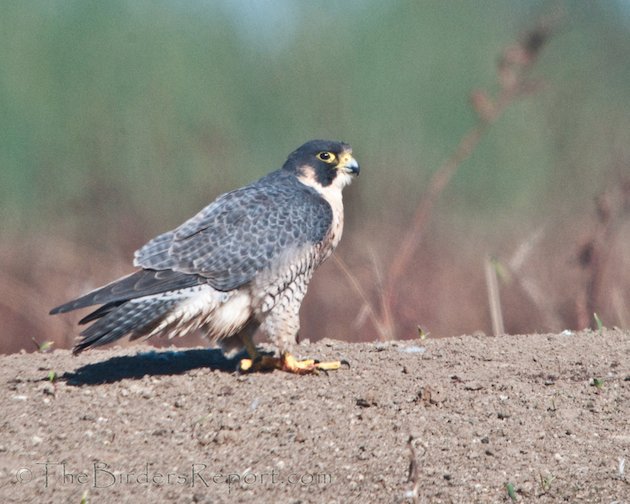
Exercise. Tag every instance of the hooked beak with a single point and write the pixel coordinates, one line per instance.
(349, 164)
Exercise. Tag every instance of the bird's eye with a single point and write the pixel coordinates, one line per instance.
(327, 157)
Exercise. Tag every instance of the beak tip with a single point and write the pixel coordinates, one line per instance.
(354, 167)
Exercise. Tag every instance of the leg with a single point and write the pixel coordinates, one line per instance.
(282, 325)
(244, 339)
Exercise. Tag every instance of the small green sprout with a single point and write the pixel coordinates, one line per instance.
(43, 347)
(598, 383)
(422, 335)
(598, 321)
(511, 491)
(546, 481)
(502, 271)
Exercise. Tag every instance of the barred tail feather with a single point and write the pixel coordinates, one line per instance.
(175, 313)
(118, 321)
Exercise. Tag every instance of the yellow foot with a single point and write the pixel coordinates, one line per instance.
(289, 364)
(260, 363)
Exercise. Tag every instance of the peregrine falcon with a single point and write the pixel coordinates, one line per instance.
(242, 263)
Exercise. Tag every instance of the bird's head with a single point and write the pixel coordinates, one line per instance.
(323, 163)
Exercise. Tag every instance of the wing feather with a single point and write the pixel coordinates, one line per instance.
(142, 283)
(242, 232)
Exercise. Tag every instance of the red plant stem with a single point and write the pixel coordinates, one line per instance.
(439, 180)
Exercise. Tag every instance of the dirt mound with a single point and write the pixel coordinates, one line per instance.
(540, 418)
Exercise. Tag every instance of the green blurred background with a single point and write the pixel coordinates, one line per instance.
(122, 118)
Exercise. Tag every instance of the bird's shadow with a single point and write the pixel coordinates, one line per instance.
(150, 363)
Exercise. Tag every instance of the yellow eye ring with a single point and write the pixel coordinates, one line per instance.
(327, 157)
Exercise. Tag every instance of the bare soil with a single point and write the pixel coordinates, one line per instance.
(543, 418)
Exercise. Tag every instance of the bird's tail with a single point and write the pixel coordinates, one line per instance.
(115, 320)
(175, 313)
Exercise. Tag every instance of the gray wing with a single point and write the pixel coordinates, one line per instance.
(142, 283)
(242, 232)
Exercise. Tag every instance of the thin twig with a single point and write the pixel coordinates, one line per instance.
(359, 290)
(494, 300)
(513, 76)
(514, 268)
(438, 182)
(413, 472)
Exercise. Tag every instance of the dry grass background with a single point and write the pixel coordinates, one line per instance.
(424, 239)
